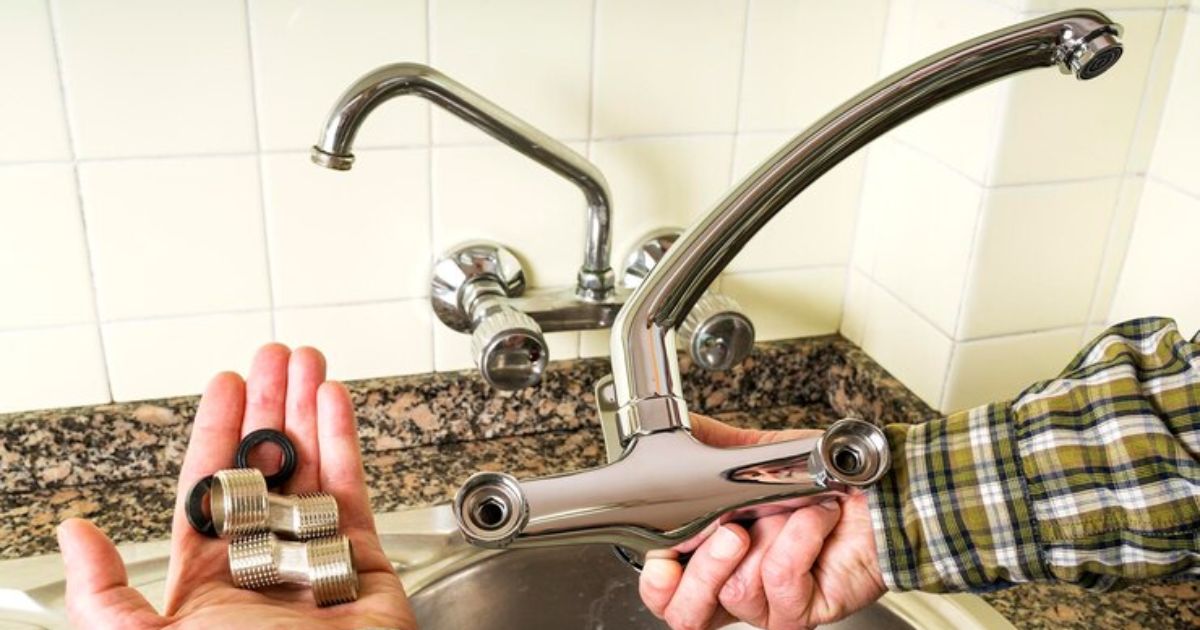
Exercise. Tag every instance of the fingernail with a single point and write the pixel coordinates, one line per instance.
(726, 544)
(830, 505)
(657, 573)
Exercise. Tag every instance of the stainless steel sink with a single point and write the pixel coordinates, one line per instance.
(455, 586)
(562, 587)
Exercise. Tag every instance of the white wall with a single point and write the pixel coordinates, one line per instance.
(1162, 266)
(159, 217)
(993, 229)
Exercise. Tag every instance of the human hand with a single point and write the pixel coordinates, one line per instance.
(285, 391)
(812, 566)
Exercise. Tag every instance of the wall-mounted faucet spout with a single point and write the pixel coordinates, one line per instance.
(333, 149)
(645, 369)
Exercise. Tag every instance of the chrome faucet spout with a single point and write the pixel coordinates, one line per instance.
(645, 367)
(333, 149)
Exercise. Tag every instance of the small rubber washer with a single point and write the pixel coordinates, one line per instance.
(255, 438)
(199, 521)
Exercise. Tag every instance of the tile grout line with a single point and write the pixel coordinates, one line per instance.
(740, 89)
(1123, 186)
(52, 19)
(995, 139)
(857, 222)
(921, 151)
(590, 142)
(718, 283)
(1162, 181)
(262, 179)
(1024, 333)
(387, 147)
(429, 187)
(216, 313)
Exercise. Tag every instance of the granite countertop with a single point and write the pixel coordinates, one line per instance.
(422, 436)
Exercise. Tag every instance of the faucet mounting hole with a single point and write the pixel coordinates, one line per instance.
(490, 513)
(848, 460)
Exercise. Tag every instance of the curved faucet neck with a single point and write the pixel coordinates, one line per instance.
(333, 150)
(645, 366)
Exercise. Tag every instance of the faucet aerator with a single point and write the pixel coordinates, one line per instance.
(331, 160)
(1095, 57)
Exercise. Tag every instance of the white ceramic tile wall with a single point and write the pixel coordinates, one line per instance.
(155, 77)
(171, 221)
(670, 66)
(31, 125)
(43, 254)
(1160, 267)
(974, 223)
(306, 52)
(348, 236)
(173, 213)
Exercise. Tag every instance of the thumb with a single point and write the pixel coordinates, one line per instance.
(98, 592)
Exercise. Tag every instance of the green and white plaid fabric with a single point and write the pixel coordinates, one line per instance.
(1092, 477)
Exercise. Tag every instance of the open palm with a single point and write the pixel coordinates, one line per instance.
(285, 391)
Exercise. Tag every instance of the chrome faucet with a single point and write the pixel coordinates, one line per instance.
(662, 487)
(479, 287)
(333, 150)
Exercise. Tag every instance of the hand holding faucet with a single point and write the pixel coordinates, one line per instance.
(800, 569)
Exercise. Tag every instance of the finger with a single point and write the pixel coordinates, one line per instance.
(306, 372)
(743, 594)
(266, 390)
(215, 433)
(660, 577)
(695, 602)
(98, 592)
(716, 433)
(787, 567)
(341, 471)
(341, 474)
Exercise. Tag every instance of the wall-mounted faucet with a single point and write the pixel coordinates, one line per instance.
(479, 287)
(663, 488)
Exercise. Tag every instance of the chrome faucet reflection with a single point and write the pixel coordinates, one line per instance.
(662, 487)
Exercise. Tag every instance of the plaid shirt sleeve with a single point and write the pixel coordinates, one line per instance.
(1092, 477)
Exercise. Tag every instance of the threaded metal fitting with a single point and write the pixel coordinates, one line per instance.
(241, 505)
(326, 565)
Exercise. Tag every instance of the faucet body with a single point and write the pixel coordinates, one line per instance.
(663, 488)
(668, 489)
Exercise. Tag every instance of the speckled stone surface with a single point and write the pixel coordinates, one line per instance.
(423, 436)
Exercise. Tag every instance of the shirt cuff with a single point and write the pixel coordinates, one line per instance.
(953, 514)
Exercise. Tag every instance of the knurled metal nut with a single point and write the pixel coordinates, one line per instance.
(326, 565)
(241, 505)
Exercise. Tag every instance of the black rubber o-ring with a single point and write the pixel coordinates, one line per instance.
(255, 438)
(195, 508)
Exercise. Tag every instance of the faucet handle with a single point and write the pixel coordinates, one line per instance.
(717, 334)
(509, 348)
(470, 292)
